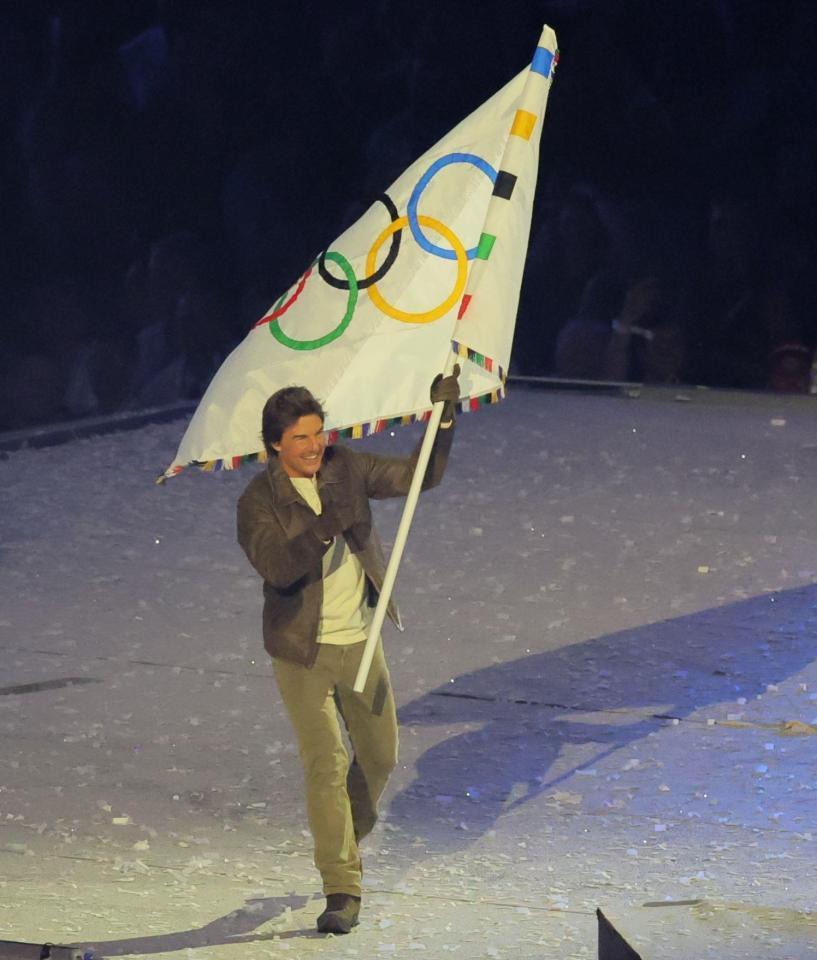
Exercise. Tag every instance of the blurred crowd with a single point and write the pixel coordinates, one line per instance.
(690, 257)
(170, 167)
(736, 309)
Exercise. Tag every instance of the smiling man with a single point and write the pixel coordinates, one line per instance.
(306, 526)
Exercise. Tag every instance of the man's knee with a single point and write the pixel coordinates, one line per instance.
(381, 758)
(388, 759)
(325, 764)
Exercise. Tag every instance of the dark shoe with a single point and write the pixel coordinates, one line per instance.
(340, 915)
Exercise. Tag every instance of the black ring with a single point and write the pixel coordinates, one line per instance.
(384, 267)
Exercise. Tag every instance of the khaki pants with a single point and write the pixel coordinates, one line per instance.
(341, 798)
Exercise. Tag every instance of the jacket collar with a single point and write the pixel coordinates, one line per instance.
(284, 492)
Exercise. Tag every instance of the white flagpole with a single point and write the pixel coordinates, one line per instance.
(534, 99)
(402, 535)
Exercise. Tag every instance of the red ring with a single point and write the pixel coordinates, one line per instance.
(280, 311)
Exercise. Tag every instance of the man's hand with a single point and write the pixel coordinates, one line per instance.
(447, 391)
(333, 520)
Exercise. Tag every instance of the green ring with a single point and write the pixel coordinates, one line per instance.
(291, 342)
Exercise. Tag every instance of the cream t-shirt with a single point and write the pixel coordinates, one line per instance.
(345, 616)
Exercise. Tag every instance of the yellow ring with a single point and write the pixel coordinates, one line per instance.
(428, 316)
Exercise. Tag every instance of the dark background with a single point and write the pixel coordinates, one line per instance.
(170, 167)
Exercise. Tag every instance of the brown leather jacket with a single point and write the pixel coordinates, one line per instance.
(276, 531)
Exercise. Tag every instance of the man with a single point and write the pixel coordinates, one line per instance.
(306, 526)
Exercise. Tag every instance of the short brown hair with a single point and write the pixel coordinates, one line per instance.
(285, 407)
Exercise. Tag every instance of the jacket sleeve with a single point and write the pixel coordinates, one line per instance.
(391, 476)
(279, 559)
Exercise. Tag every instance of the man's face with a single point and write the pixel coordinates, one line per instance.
(300, 449)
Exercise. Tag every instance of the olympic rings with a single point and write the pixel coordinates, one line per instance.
(458, 252)
(374, 274)
(384, 268)
(291, 342)
(423, 182)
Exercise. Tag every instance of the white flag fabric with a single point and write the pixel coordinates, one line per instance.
(434, 264)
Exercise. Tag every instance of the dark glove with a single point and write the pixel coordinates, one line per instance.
(447, 390)
(332, 521)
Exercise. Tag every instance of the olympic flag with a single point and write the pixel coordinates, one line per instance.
(434, 265)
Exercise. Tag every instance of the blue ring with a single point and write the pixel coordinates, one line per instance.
(423, 182)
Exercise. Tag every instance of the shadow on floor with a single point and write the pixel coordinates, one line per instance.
(236, 927)
(523, 713)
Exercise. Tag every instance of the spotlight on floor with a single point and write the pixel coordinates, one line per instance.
(12, 950)
(612, 946)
